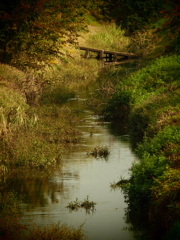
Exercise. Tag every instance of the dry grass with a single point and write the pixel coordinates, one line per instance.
(56, 232)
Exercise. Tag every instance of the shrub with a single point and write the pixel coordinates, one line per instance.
(170, 135)
(118, 106)
(165, 198)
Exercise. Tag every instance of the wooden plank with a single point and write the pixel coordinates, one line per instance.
(91, 49)
(119, 62)
(132, 55)
(121, 54)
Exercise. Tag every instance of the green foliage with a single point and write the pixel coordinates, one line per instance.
(133, 15)
(118, 106)
(165, 198)
(170, 135)
(153, 159)
(143, 91)
(161, 72)
(152, 95)
(154, 25)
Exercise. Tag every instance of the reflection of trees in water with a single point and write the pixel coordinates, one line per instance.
(37, 188)
(139, 223)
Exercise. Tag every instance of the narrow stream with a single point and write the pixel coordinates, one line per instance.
(84, 175)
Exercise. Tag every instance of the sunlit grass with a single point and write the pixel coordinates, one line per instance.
(108, 37)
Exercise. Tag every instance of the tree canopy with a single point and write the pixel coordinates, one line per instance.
(35, 26)
(41, 27)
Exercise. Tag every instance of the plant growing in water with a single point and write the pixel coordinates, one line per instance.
(102, 152)
(123, 183)
(86, 204)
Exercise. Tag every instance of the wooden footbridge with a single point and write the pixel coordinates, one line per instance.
(108, 57)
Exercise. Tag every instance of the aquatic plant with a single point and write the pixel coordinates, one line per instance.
(123, 183)
(86, 204)
(102, 152)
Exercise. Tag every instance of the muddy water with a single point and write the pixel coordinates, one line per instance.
(84, 175)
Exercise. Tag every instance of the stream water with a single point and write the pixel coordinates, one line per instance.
(84, 175)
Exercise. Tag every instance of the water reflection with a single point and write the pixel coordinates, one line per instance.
(80, 176)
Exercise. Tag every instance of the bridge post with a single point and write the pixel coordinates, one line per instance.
(86, 54)
(101, 54)
(115, 58)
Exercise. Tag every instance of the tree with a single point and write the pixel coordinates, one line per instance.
(134, 15)
(39, 27)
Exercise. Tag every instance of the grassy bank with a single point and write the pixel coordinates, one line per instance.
(149, 99)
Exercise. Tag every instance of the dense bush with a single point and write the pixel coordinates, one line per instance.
(147, 90)
(154, 120)
(118, 106)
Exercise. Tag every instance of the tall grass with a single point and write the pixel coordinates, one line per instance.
(108, 37)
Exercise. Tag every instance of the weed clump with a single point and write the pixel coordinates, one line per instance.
(123, 183)
(89, 206)
(101, 152)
